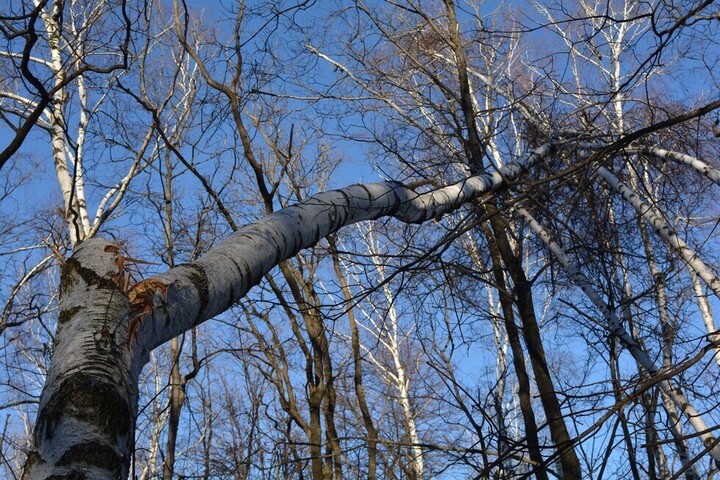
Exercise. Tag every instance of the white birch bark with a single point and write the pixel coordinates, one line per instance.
(388, 334)
(85, 425)
(707, 315)
(67, 23)
(615, 328)
(615, 39)
(708, 170)
(77, 158)
(195, 292)
(71, 185)
(88, 405)
(668, 335)
(157, 425)
(664, 230)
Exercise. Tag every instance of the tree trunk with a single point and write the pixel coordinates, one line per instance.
(85, 425)
(86, 415)
(615, 328)
(372, 434)
(518, 358)
(533, 341)
(175, 403)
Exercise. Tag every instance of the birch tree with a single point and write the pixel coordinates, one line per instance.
(211, 122)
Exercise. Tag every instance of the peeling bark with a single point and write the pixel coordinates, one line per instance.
(85, 425)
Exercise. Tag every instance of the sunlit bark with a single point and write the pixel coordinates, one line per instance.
(167, 305)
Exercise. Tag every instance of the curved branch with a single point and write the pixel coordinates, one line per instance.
(192, 293)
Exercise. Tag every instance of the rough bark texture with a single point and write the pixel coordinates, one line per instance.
(85, 425)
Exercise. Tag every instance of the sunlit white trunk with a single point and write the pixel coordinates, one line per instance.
(150, 468)
(663, 229)
(85, 425)
(192, 293)
(668, 336)
(88, 405)
(708, 170)
(707, 315)
(70, 183)
(388, 334)
(77, 158)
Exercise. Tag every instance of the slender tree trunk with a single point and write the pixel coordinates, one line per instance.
(668, 338)
(177, 389)
(150, 469)
(707, 315)
(385, 328)
(177, 397)
(357, 366)
(533, 341)
(475, 151)
(518, 359)
(319, 378)
(501, 344)
(399, 375)
(657, 462)
(656, 457)
(650, 428)
(71, 183)
(617, 392)
(639, 354)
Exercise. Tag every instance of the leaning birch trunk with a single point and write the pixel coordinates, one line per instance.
(663, 229)
(708, 170)
(707, 315)
(195, 292)
(85, 424)
(668, 334)
(615, 328)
